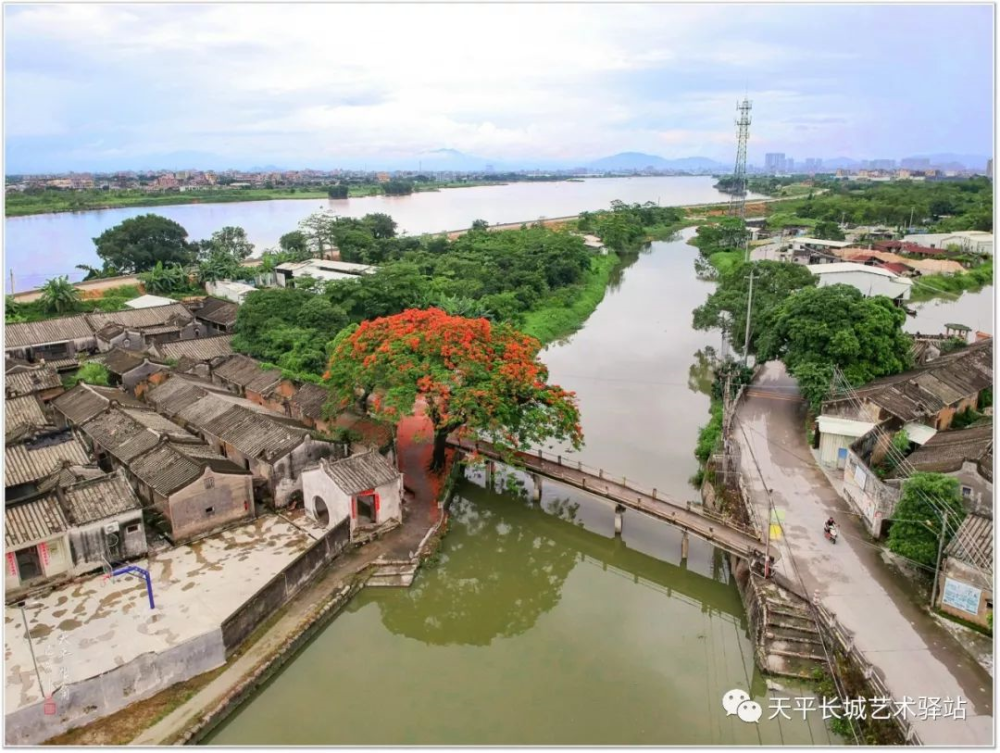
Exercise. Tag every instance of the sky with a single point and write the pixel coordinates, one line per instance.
(90, 87)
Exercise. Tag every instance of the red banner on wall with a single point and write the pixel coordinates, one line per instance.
(11, 563)
(43, 553)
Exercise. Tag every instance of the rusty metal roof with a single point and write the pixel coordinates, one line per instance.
(34, 380)
(62, 329)
(362, 472)
(85, 401)
(41, 457)
(33, 521)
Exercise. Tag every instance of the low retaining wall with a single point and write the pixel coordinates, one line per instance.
(283, 586)
(83, 702)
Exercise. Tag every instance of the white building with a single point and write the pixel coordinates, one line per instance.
(229, 290)
(320, 269)
(817, 244)
(971, 241)
(870, 281)
(149, 301)
(366, 489)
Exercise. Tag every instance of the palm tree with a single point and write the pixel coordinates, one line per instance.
(59, 295)
(161, 279)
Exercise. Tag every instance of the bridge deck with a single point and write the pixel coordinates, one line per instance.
(705, 524)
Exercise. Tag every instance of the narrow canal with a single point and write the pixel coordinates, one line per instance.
(535, 625)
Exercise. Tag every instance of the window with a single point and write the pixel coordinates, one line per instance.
(209, 483)
(209, 512)
(134, 528)
(966, 491)
(126, 342)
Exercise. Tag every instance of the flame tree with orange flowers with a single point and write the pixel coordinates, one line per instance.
(476, 377)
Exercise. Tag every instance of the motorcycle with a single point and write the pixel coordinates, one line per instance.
(831, 533)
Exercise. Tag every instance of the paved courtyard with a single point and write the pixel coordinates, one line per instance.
(90, 627)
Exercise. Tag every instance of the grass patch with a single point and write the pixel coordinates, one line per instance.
(564, 311)
(938, 286)
(723, 261)
(113, 299)
(964, 623)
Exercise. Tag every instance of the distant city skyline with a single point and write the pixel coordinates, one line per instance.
(108, 87)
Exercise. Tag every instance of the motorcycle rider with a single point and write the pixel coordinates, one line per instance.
(828, 525)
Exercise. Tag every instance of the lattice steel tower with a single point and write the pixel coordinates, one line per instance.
(738, 199)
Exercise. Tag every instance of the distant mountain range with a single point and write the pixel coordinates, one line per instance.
(452, 160)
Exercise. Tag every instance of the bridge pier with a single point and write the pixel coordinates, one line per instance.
(619, 519)
(490, 473)
(685, 543)
(536, 494)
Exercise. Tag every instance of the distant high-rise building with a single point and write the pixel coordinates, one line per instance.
(789, 165)
(774, 162)
(883, 164)
(813, 164)
(915, 163)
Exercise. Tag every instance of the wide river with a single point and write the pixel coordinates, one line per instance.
(537, 626)
(41, 246)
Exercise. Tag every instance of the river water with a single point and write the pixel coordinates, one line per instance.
(537, 626)
(41, 246)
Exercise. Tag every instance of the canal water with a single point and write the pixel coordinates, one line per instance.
(38, 247)
(537, 626)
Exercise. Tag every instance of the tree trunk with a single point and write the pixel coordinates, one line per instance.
(440, 445)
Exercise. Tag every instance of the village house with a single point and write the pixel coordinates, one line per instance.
(320, 269)
(128, 368)
(218, 316)
(965, 589)
(363, 432)
(871, 281)
(964, 454)
(106, 523)
(970, 241)
(149, 301)
(22, 416)
(36, 543)
(42, 381)
(28, 462)
(230, 290)
(366, 489)
(139, 328)
(244, 376)
(84, 401)
(272, 446)
(51, 340)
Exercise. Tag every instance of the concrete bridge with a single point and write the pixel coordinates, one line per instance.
(725, 534)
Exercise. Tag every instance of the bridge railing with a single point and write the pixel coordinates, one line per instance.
(578, 465)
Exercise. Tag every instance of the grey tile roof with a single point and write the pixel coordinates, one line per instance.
(310, 400)
(85, 401)
(929, 388)
(25, 463)
(33, 521)
(247, 373)
(35, 380)
(153, 316)
(154, 422)
(71, 474)
(59, 330)
(96, 499)
(217, 311)
(947, 450)
(120, 361)
(22, 413)
(199, 349)
(118, 434)
(254, 434)
(362, 472)
(973, 542)
(169, 467)
(177, 393)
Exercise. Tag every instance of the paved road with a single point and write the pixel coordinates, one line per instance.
(916, 655)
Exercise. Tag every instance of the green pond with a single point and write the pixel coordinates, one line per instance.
(536, 625)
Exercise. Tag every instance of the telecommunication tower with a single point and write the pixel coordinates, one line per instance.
(738, 199)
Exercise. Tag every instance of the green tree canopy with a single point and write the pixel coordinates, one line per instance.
(59, 296)
(773, 283)
(916, 529)
(137, 244)
(91, 373)
(816, 329)
(229, 241)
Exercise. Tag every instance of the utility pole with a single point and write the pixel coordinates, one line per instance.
(937, 568)
(12, 280)
(738, 199)
(746, 338)
(31, 648)
(910, 226)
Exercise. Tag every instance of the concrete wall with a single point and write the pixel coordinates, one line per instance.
(283, 587)
(872, 498)
(969, 580)
(830, 446)
(91, 545)
(945, 416)
(229, 495)
(82, 702)
(318, 486)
